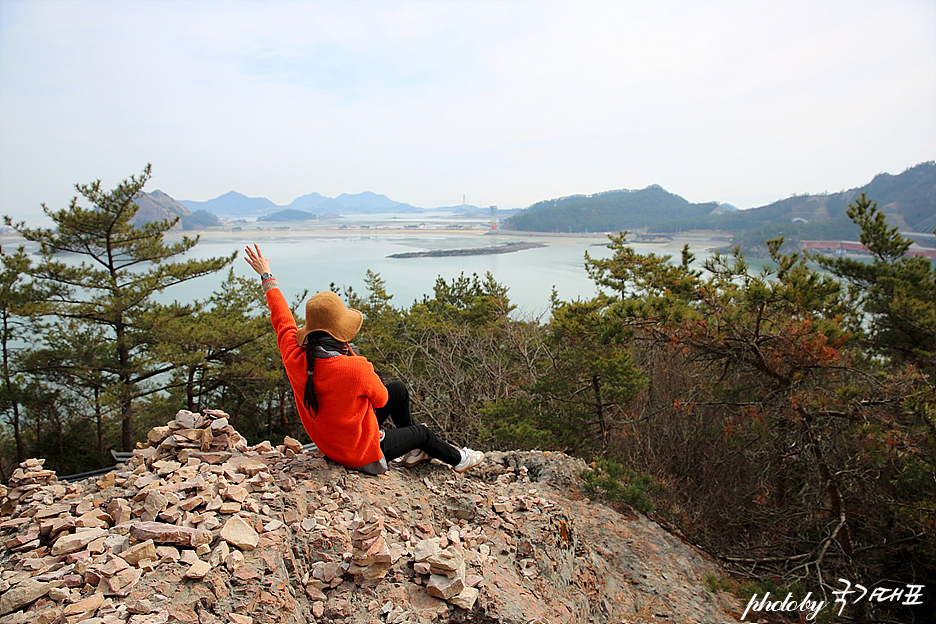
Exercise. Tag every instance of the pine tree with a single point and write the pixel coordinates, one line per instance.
(215, 346)
(895, 293)
(108, 280)
(18, 299)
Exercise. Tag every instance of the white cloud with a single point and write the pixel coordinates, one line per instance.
(509, 102)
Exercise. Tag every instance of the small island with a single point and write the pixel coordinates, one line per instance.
(480, 251)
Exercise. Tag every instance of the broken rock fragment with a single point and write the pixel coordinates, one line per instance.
(238, 532)
(76, 541)
(22, 594)
(139, 552)
(83, 608)
(162, 533)
(465, 599)
(444, 587)
(198, 569)
(292, 444)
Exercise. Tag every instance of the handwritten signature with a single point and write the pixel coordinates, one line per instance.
(910, 594)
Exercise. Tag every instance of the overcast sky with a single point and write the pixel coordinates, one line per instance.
(505, 102)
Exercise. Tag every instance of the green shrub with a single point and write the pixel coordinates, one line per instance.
(620, 485)
(715, 583)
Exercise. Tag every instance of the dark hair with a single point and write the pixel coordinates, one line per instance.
(329, 343)
(309, 397)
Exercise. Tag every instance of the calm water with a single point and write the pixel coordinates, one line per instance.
(316, 261)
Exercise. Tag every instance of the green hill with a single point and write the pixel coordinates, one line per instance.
(607, 212)
(157, 206)
(289, 215)
(908, 200)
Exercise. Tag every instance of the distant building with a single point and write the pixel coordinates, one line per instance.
(843, 248)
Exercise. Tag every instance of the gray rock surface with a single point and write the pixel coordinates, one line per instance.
(201, 528)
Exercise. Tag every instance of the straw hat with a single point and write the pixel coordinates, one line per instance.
(326, 312)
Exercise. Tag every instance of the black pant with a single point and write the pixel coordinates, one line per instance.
(406, 435)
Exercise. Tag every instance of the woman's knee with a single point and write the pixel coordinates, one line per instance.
(397, 388)
(423, 433)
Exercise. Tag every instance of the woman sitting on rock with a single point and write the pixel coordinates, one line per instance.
(341, 400)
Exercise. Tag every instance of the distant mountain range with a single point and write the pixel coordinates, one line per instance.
(908, 200)
(233, 205)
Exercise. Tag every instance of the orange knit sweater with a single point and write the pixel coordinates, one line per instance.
(347, 389)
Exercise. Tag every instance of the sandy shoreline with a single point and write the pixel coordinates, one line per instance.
(698, 241)
(702, 239)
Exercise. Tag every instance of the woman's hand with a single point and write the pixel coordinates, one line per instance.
(256, 260)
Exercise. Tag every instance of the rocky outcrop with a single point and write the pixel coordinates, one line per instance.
(199, 527)
(157, 206)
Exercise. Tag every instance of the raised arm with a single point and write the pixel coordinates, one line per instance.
(261, 265)
(256, 260)
(284, 323)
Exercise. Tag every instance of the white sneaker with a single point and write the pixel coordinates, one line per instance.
(414, 458)
(472, 459)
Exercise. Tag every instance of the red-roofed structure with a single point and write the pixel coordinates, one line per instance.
(841, 248)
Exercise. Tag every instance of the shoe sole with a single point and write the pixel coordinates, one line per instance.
(407, 464)
(470, 466)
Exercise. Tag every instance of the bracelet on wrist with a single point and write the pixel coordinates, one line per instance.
(269, 282)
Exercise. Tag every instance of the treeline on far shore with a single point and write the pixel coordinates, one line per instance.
(783, 421)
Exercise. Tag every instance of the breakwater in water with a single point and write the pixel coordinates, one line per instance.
(479, 251)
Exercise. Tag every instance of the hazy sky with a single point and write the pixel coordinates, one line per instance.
(505, 102)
